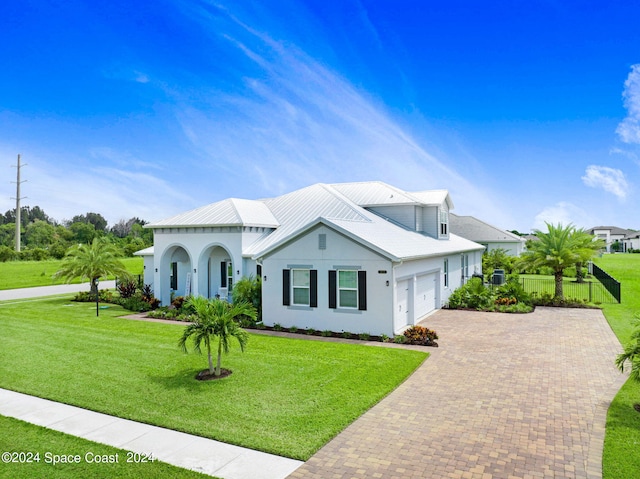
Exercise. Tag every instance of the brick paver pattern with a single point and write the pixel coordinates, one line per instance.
(504, 396)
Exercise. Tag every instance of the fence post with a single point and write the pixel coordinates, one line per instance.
(590, 298)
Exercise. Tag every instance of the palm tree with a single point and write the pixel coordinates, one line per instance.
(92, 262)
(587, 246)
(215, 318)
(559, 248)
(632, 354)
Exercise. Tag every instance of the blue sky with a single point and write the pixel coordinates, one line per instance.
(525, 111)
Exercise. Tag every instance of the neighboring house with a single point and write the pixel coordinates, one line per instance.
(632, 241)
(357, 257)
(487, 235)
(610, 235)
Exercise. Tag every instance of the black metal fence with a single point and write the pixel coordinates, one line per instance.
(609, 282)
(590, 291)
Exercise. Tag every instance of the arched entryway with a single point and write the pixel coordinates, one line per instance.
(176, 273)
(217, 272)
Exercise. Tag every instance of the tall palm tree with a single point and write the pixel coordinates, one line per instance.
(559, 248)
(92, 262)
(215, 318)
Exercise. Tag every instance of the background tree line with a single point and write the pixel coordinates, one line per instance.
(42, 237)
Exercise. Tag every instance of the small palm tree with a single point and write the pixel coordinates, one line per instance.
(631, 354)
(92, 262)
(215, 318)
(559, 248)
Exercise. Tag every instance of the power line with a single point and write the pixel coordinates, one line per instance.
(18, 198)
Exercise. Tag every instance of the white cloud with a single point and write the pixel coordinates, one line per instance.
(563, 213)
(629, 129)
(609, 179)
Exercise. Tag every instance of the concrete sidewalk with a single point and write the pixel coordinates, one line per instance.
(183, 450)
(37, 292)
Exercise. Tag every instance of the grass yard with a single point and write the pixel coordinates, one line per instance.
(18, 436)
(27, 274)
(622, 441)
(285, 396)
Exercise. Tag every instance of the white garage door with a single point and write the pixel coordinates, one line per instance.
(401, 316)
(425, 299)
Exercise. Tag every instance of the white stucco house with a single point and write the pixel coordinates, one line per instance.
(631, 241)
(488, 235)
(610, 235)
(358, 257)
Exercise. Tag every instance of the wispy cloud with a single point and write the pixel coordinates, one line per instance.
(609, 179)
(295, 121)
(564, 213)
(629, 129)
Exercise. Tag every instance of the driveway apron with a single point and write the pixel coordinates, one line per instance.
(504, 396)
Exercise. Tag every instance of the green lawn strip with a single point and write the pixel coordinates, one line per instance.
(27, 274)
(622, 440)
(20, 437)
(285, 396)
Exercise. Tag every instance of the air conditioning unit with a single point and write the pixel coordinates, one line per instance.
(498, 277)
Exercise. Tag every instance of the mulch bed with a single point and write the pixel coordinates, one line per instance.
(205, 375)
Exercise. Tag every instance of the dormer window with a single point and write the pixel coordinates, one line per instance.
(444, 223)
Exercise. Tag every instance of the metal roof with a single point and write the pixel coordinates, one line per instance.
(303, 209)
(375, 193)
(476, 230)
(339, 206)
(229, 212)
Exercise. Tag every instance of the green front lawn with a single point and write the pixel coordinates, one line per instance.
(21, 437)
(622, 441)
(285, 396)
(27, 274)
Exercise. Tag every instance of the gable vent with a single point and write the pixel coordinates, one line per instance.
(322, 241)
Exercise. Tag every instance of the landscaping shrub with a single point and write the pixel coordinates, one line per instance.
(134, 303)
(513, 291)
(472, 295)
(7, 253)
(178, 302)
(104, 296)
(249, 290)
(127, 288)
(364, 336)
(420, 335)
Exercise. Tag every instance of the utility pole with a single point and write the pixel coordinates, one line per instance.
(18, 198)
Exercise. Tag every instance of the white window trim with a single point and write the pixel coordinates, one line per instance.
(339, 298)
(444, 223)
(294, 287)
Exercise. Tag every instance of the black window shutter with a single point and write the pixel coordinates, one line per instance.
(313, 288)
(332, 289)
(223, 274)
(362, 290)
(286, 288)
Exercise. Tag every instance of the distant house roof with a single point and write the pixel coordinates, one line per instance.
(479, 231)
(633, 235)
(340, 206)
(614, 230)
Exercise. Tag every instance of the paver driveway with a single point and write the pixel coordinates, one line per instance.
(505, 396)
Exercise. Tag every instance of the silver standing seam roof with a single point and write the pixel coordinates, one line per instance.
(338, 206)
(477, 230)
